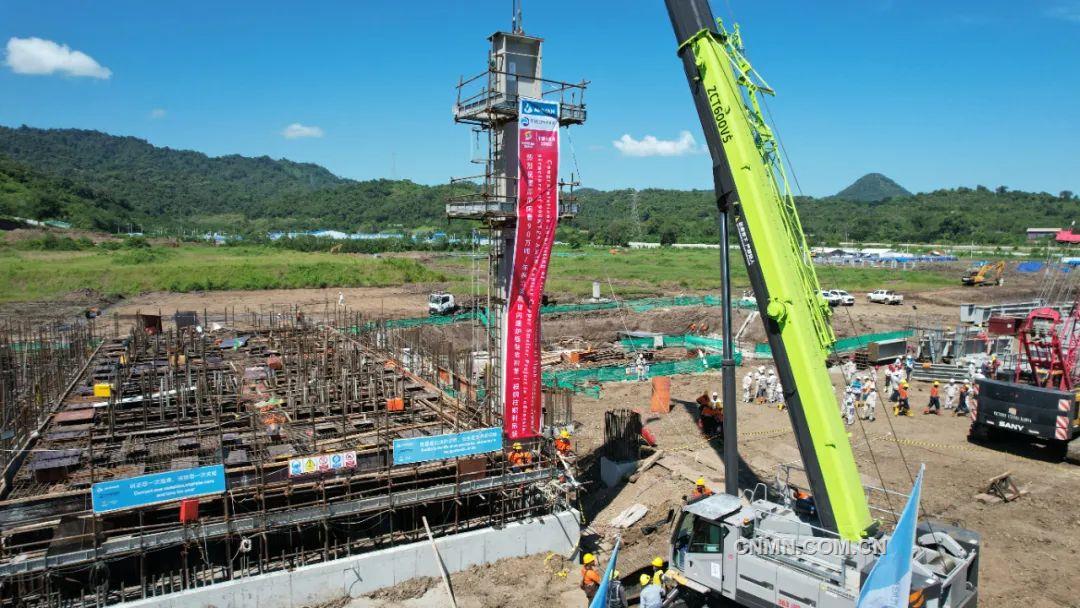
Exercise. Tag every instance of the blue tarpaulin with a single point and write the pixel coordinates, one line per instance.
(1029, 267)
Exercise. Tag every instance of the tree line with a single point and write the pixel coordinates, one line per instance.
(99, 181)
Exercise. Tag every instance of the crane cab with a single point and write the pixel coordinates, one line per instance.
(701, 539)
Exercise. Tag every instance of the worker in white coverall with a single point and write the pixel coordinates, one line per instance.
(848, 369)
(772, 384)
(747, 386)
(849, 406)
(759, 385)
(951, 393)
(870, 404)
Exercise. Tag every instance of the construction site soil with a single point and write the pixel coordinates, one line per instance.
(1030, 545)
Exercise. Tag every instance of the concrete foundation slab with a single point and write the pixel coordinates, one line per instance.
(362, 574)
(614, 472)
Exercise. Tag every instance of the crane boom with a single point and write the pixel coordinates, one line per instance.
(751, 186)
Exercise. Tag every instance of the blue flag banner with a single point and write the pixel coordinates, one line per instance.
(600, 599)
(889, 583)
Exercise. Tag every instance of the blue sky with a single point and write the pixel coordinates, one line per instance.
(933, 94)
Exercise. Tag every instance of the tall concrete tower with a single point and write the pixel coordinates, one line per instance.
(491, 102)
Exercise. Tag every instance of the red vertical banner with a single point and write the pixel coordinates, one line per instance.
(537, 218)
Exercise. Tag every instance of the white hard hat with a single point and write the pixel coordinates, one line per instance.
(761, 368)
(714, 393)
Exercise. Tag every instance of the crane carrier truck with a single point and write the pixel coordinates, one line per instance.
(763, 547)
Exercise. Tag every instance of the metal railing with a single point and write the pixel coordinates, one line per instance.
(479, 94)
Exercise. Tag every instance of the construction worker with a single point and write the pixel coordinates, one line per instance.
(848, 368)
(909, 364)
(641, 369)
(967, 399)
(849, 406)
(652, 595)
(903, 406)
(590, 576)
(870, 404)
(760, 386)
(657, 564)
(951, 392)
(772, 384)
(563, 445)
(934, 407)
(711, 415)
(700, 490)
(616, 596)
(518, 458)
(747, 386)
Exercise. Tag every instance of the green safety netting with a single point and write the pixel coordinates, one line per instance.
(684, 340)
(585, 380)
(847, 344)
(642, 305)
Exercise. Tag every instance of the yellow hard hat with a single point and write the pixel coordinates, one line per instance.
(565, 434)
(936, 383)
(658, 562)
(588, 559)
(645, 579)
(614, 574)
(700, 482)
(517, 446)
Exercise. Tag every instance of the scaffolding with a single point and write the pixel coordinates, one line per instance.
(252, 395)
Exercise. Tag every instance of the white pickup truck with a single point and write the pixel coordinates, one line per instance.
(885, 296)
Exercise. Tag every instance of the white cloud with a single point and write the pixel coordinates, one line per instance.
(39, 57)
(651, 146)
(297, 130)
(158, 113)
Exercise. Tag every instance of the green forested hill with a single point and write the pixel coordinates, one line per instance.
(161, 181)
(95, 180)
(27, 193)
(958, 215)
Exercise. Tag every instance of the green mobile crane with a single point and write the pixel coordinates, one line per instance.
(763, 547)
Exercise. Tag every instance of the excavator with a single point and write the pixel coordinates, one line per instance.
(765, 546)
(985, 275)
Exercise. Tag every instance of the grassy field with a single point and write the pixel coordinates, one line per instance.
(30, 275)
(646, 272)
(43, 275)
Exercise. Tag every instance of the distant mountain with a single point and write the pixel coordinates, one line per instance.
(871, 188)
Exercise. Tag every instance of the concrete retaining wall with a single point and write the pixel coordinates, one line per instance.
(361, 574)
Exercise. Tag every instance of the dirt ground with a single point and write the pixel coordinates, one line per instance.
(1030, 546)
(1020, 539)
